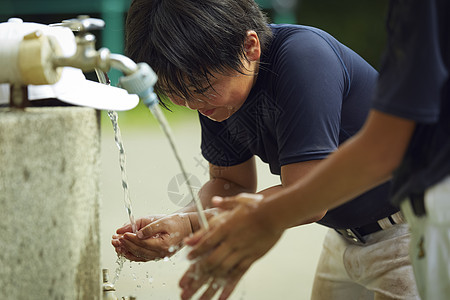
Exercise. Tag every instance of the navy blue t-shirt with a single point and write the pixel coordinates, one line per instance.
(312, 93)
(414, 84)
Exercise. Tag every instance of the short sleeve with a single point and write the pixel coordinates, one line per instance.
(309, 88)
(412, 70)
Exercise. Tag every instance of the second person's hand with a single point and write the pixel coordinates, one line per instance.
(235, 240)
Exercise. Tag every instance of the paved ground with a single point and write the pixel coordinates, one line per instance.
(286, 272)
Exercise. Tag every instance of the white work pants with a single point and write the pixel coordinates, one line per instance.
(430, 242)
(379, 269)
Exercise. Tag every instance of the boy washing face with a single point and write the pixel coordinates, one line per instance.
(288, 94)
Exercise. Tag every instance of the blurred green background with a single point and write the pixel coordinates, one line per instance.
(359, 24)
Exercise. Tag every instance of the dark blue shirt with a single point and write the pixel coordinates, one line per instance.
(414, 84)
(312, 93)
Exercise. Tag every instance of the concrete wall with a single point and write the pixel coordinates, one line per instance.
(49, 204)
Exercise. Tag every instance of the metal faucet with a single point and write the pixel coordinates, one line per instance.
(41, 63)
(139, 78)
(86, 57)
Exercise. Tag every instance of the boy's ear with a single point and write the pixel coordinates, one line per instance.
(252, 46)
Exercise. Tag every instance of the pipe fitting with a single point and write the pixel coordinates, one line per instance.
(109, 291)
(141, 83)
(35, 59)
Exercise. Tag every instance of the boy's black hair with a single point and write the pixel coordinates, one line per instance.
(184, 41)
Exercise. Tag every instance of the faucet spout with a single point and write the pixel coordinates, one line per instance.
(86, 57)
(123, 63)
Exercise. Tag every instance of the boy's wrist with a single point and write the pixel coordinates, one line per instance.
(193, 217)
(190, 217)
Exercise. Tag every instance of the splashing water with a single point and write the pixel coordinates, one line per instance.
(120, 261)
(157, 113)
(122, 162)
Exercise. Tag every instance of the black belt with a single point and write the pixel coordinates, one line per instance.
(356, 235)
(418, 203)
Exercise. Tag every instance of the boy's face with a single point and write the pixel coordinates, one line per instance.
(227, 92)
(225, 96)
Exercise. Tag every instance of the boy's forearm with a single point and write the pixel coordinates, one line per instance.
(219, 187)
(216, 187)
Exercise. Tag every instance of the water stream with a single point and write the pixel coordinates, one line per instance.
(127, 200)
(103, 78)
(157, 113)
(122, 162)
